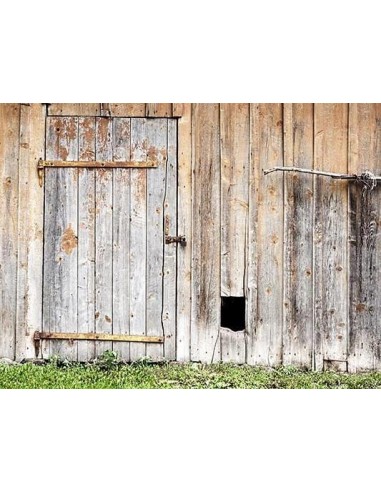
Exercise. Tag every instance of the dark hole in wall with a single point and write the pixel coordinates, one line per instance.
(233, 313)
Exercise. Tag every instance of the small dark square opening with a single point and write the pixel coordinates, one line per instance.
(233, 313)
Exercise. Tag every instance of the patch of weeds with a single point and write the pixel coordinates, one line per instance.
(108, 360)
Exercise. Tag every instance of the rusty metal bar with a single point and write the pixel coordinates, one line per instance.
(107, 337)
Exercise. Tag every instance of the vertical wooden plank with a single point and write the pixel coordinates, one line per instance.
(157, 188)
(138, 209)
(184, 255)
(170, 250)
(127, 110)
(121, 236)
(330, 235)
(9, 155)
(74, 109)
(86, 237)
(159, 110)
(30, 229)
(60, 237)
(365, 240)
(265, 267)
(233, 348)
(298, 226)
(235, 149)
(206, 283)
(103, 234)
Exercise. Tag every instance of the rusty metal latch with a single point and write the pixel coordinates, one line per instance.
(176, 239)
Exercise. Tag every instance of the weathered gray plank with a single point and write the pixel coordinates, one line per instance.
(233, 347)
(30, 236)
(265, 267)
(157, 188)
(170, 250)
(138, 223)
(298, 220)
(60, 237)
(121, 235)
(365, 245)
(74, 109)
(184, 220)
(9, 147)
(86, 237)
(206, 234)
(103, 235)
(330, 235)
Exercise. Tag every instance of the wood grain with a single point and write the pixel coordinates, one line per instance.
(158, 110)
(298, 252)
(74, 109)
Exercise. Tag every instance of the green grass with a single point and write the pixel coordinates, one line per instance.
(170, 375)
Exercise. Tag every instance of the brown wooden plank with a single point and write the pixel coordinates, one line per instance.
(365, 240)
(121, 235)
(60, 236)
(86, 236)
(127, 110)
(265, 265)
(331, 235)
(184, 255)
(103, 234)
(30, 235)
(138, 236)
(98, 336)
(9, 177)
(159, 110)
(206, 299)
(74, 109)
(298, 226)
(98, 163)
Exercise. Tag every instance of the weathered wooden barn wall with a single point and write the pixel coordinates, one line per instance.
(303, 250)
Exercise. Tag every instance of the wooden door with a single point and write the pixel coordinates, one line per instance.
(107, 267)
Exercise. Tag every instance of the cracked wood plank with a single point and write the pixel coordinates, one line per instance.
(331, 235)
(170, 250)
(365, 240)
(30, 236)
(86, 237)
(233, 346)
(60, 236)
(298, 219)
(206, 301)
(9, 177)
(103, 234)
(74, 109)
(121, 235)
(184, 220)
(265, 265)
(138, 233)
(157, 187)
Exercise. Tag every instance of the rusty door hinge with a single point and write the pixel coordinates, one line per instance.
(176, 239)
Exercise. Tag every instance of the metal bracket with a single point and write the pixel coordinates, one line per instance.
(176, 239)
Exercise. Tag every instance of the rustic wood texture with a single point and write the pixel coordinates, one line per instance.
(331, 235)
(60, 236)
(158, 110)
(111, 337)
(184, 221)
(138, 233)
(103, 234)
(365, 241)
(233, 346)
(127, 110)
(30, 229)
(298, 253)
(74, 109)
(86, 237)
(206, 300)
(97, 164)
(156, 132)
(121, 235)
(265, 268)
(9, 197)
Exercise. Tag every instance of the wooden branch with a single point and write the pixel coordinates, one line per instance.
(313, 171)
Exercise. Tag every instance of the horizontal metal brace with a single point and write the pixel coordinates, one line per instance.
(92, 165)
(107, 337)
